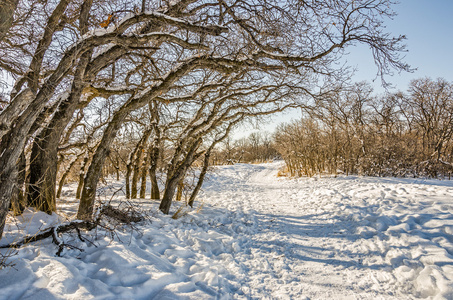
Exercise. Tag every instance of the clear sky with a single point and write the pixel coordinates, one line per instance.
(428, 26)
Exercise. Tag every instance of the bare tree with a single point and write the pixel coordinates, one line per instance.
(390, 135)
(430, 105)
(145, 56)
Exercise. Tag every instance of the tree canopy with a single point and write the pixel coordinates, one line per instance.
(194, 68)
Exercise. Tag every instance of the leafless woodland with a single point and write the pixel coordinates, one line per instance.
(150, 88)
(355, 132)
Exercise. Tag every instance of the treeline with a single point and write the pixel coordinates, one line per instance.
(258, 147)
(354, 132)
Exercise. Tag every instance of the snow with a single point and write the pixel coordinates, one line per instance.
(256, 236)
(102, 50)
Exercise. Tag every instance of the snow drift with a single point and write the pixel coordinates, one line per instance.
(257, 236)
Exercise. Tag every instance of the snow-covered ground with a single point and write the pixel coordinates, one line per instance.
(257, 237)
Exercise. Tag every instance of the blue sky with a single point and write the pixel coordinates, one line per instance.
(428, 26)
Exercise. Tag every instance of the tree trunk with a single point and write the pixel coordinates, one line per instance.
(176, 173)
(170, 190)
(154, 157)
(7, 9)
(61, 182)
(80, 184)
(128, 183)
(180, 189)
(43, 163)
(12, 146)
(135, 175)
(81, 176)
(17, 201)
(6, 190)
(43, 168)
(154, 151)
(203, 172)
(138, 163)
(133, 162)
(94, 172)
(44, 156)
(117, 169)
(144, 170)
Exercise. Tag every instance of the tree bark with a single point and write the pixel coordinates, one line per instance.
(154, 157)
(128, 182)
(44, 156)
(7, 182)
(144, 169)
(176, 173)
(154, 151)
(81, 176)
(7, 9)
(203, 172)
(136, 174)
(17, 200)
(134, 182)
(180, 189)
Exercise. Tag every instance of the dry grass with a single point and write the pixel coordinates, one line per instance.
(283, 172)
(4, 259)
(184, 210)
(181, 212)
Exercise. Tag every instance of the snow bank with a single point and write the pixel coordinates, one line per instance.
(257, 236)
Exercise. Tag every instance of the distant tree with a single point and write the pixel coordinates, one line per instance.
(430, 107)
(354, 132)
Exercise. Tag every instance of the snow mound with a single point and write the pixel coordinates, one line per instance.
(256, 237)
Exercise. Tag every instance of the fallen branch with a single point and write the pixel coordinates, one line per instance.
(125, 216)
(54, 232)
(121, 216)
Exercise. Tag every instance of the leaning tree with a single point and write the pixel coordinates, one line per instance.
(62, 54)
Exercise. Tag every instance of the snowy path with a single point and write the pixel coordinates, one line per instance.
(261, 237)
(343, 238)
